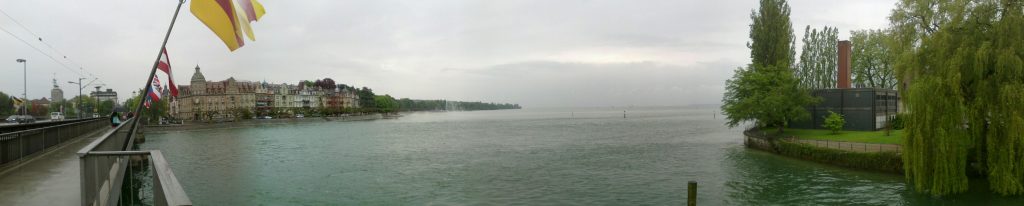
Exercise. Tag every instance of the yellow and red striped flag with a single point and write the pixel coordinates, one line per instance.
(228, 19)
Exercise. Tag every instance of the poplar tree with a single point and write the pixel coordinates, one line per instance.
(766, 91)
(771, 35)
(818, 58)
(961, 66)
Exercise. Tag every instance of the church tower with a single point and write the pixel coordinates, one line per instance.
(56, 94)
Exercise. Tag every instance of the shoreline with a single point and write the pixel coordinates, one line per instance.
(882, 161)
(192, 126)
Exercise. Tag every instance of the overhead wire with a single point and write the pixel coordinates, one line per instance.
(82, 72)
(41, 51)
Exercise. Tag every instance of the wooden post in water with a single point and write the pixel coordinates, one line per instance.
(691, 196)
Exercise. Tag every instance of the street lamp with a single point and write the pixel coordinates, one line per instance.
(24, 93)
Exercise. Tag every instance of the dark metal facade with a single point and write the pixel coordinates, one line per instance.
(864, 109)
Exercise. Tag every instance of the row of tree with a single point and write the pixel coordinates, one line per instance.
(962, 64)
(818, 58)
(88, 105)
(871, 59)
(406, 104)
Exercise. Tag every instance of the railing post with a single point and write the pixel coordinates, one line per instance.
(21, 145)
(82, 168)
(691, 197)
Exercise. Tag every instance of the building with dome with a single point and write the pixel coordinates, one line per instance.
(227, 99)
(214, 100)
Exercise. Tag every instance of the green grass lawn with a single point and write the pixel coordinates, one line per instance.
(896, 137)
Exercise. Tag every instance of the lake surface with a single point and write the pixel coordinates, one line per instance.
(516, 157)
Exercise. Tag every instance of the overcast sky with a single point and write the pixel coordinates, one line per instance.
(538, 53)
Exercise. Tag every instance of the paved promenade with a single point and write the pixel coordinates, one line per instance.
(51, 178)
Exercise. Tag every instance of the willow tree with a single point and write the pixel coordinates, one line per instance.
(962, 67)
(766, 91)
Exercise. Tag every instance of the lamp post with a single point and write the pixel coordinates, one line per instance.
(24, 72)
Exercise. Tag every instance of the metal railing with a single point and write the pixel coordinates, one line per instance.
(761, 137)
(848, 146)
(107, 161)
(16, 146)
(28, 126)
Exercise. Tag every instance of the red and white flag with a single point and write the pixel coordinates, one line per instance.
(165, 65)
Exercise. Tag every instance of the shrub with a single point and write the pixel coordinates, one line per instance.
(897, 121)
(834, 122)
(878, 161)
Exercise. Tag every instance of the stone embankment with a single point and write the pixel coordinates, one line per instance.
(876, 157)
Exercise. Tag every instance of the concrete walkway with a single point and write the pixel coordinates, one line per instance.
(51, 178)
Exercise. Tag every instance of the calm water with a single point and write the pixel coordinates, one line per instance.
(515, 157)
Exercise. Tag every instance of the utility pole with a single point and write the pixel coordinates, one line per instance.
(96, 109)
(24, 72)
(78, 107)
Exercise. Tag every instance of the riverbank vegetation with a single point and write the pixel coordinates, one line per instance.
(406, 104)
(878, 161)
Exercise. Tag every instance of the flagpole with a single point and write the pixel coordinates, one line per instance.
(152, 72)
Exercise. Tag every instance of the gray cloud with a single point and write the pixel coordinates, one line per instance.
(532, 52)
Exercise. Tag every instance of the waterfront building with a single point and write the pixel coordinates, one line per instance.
(349, 98)
(309, 97)
(227, 99)
(108, 95)
(864, 109)
(215, 100)
(264, 103)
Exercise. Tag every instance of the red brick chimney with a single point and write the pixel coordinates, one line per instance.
(843, 81)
